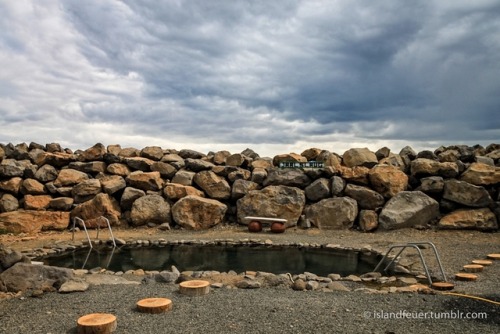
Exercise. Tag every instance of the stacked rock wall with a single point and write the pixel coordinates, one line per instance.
(44, 187)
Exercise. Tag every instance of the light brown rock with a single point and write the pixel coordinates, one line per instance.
(359, 157)
(481, 174)
(174, 191)
(213, 185)
(12, 185)
(101, 205)
(70, 177)
(29, 221)
(197, 213)
(272, 201)
(387, 180)
(479, 219)
(333, 213)
(145, 181)
(36, 202)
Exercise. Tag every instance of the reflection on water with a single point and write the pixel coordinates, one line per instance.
(223, 258)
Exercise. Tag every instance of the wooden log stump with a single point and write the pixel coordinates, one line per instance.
(483, 262)
(194, 288)
(473, 268)
(493, 256)
(465, 277)
(154, 305)
(442, 286)
(96, 323)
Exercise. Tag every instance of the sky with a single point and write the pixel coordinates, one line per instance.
(274, 76)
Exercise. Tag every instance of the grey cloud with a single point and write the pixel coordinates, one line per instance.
(257, 71)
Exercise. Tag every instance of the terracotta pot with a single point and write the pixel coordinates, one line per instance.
(254, 226)
(278, 227)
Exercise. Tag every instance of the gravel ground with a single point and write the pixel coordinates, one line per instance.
(278, 310)
(246, 311)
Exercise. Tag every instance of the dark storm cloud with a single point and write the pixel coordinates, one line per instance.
(252, 72)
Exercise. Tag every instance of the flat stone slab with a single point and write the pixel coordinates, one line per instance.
(108, 280)
(75, 285)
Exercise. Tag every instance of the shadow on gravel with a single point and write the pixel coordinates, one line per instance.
(475, 310)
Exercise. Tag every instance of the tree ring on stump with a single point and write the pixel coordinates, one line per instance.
(465, 277)
(483, 262)
(96, 323)
(194, 287)
(493, 256)
(154, 305)
(442, 286)
(473, 268)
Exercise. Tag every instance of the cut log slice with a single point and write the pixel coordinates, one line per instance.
(442, 286)
(96, 323)
(465, 277)
(194, 288)
(473, 268)
(154, 305)
(483, 262)
(493, 256)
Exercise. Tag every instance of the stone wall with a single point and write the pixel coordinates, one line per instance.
(44, 187)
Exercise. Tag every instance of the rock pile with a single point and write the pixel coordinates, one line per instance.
(43, 187)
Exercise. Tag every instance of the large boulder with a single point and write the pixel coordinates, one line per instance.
(46, 173)
(118, 169)
(407, 209)
(8, 203)
(367, 198)
(29, 221)
(130, 194)
(9, 257)
(215, 187)
(242, 187)
(165, 169)
(198, 213)
(25, 276)
(273, 201)
(70, 177)
(359, 157)
(357, 174)
(467, 194)
(425, 167)
(32, 187)
(431, 185)
(479, 219)
(318, 190)
(175, 191)
(184, 177)
(86, 190)
(101, 205)
(56, 159)
(145, 181)
(93, 167)
(388, 180)
(112, 183)
(12, 185)
(37, 202)
(93, 153)
(139, 163)
(150, 209)
(287, 177)
(481, 174)
(333, 213)
(11, 168)
(152, 152)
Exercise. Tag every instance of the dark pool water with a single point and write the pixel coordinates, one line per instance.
(223, 258)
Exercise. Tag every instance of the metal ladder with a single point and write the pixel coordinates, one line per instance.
(98, 230)
(417, 246)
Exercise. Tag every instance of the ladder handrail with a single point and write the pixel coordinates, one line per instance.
(416, 246)
(109, 227)
(84, 228)
(98, 229)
